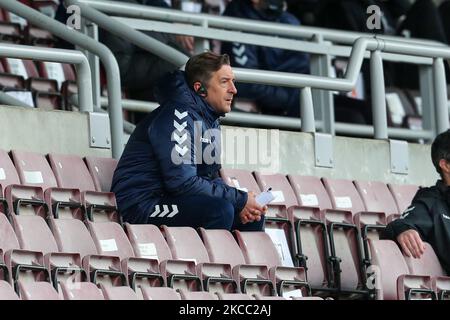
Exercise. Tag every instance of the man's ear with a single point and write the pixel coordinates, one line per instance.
(197, 86)
(445, 166)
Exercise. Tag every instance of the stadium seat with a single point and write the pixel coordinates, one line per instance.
(160, 293)
(345, 240)
(37, 291)
(233, 296)
(71, 173)
(148, 242)
(10, 32)
(34, 234)
(118, 293)
(7, 292)
(72, 235)
(403, 195)
(110, 239)
(34, 171)
(277, 223)
(240, 179)
(8, 176)
(223, 248)
(8, 241)
(389, 277)
(81, 291)
(312, 248)
(429, 265)
(287, 280)
(196, 295)
(102, 171)
(185, 244)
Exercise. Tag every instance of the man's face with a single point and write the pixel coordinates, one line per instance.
(221, 89)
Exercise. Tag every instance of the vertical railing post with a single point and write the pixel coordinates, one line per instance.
(427, 98)
(440, 96)
(307, 110)
(323, 99)
(378, 96)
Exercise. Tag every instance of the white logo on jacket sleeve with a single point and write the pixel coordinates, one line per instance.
(179, 135)
(239, 54)
(407, 212)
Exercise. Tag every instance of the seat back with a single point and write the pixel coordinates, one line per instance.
(310, 191)
(403, 195)
(8, 173)
(221, 247)
(386, 256)
(8, 239)
(240, 179)
(102, 171)
(34, 234)
(37, 291)
(33, 169)
(118, 293)
(7, 292)
(81, 291)
(197, 295)
(71, 172)
(376, 196)
(185, 244)
(160, 293)
(428, 264)
(148, 242)
(281, 188)
(251, 244)
(343, 195)
(110, 239)
(71, 235)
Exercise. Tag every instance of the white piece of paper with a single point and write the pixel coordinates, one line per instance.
(264, 198)
(190, 6)
(279, 240)
(108, 245)
(297, 293)
(55, 71)
(2, 174)
(343, 202)
(279, 196)
(17, 19)
(148, 250)
(309, 200)
(24, 96)
(33, 177)
(396, 108)
(17, 67)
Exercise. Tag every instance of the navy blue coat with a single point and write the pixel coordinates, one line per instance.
(277, 100)
(171, 153)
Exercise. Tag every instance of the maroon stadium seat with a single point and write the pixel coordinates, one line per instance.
(102, 171)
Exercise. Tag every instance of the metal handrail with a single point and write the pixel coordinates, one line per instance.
(109, 62)
(361, 45)
(231, 23)
(57, 55)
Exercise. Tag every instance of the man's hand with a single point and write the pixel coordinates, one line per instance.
(186, 42)
(411, 243)
(252, 210)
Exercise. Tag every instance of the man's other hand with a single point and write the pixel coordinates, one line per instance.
(252, 210)
(411, 243)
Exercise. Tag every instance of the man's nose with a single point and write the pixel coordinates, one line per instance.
(232, 88)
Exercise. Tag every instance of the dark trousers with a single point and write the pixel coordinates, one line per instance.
(195, 211)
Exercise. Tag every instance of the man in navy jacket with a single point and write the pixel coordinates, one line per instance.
(169, 171)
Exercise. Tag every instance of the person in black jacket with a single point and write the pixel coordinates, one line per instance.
(428, 216)
(169, 171)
